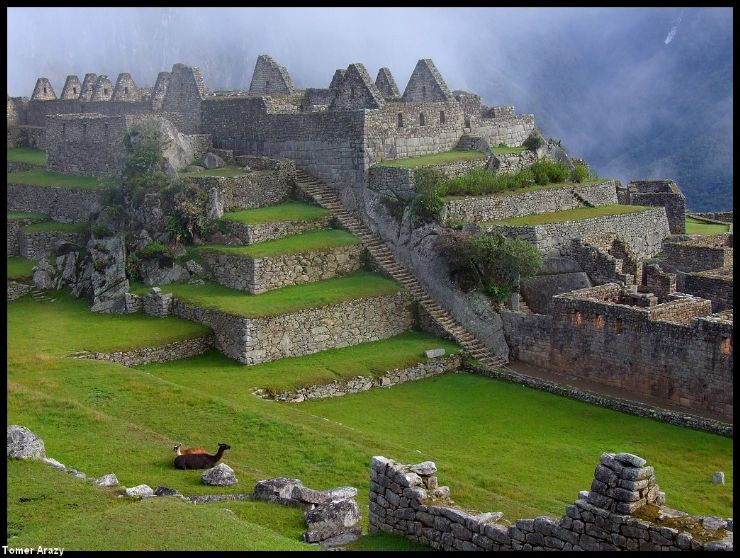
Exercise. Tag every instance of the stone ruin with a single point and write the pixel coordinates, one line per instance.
(624, 510)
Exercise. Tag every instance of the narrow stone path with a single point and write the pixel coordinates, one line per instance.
(381, 254)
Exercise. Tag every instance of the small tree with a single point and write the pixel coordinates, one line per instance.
(503, 261)
(534, 141)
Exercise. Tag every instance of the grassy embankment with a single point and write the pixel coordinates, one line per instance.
(577, 214)
(305, 242)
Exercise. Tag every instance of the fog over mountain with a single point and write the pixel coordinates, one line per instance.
(637, 92)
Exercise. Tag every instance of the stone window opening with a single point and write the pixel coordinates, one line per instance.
(125, 90)
(84, 130)
(422, 119)
(105, 91)
(577, 318)
(64, 131)
(267, 85)
(74, 91)
(441, 117)
(424, 91)
(105, 130)
(400, 120)
(618, 326)
(725, 346)
(467, 122)
(44, 90)
(351, 92)
(599, 321)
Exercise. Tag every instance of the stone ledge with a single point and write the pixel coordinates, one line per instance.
(171, 351)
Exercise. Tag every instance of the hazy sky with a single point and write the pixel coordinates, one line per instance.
(605, 75)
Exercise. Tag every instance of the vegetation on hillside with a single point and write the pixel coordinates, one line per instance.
(27, 155)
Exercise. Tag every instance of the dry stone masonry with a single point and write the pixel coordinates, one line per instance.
(624, 510)
(262, 232)
(163, 353)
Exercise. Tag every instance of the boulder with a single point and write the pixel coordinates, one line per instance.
(278, 490)
(24, 444)
(213, 161)
(539, 290)
(718, 478)
(43, 275)
(107, 480)
(141, 491)
(220, 475)
(247, 168)
(162, 271)
(108, 275)
(140, 239)
(308, 496)
(332, 519)
(169, 170)
(194, 267)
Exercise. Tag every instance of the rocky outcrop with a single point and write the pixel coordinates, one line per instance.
(108, 277)
(162, 271)
(24, 444)
(213, 161)
(277, 491)
(332, 519)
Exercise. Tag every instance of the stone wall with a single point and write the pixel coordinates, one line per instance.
(600, 266)
(66, 205)
(255, 340)
(433, 367)
(642, 231)
(715, 284)
(663, 193)
(12, 230)
(700, 253)
(185, 92)
(504, 206)
(674, 351)
(511, 163)
(511, 130)
(258, 275)
(250, 234)
(623, 511)
(164, 353)
(17, 290)
(38, 245)
(724, 216)
(250, 190)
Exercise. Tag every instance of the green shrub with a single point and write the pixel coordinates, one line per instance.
(187, 216)
(100, 230)
(155, 249)
(533, 142)
(428, 206)
(504, 261)
(545, 171)
(133, 266)
(580, 173)
(498, 293)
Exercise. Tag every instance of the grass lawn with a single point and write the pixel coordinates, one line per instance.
(696, 226)
(20, 268)
(367, 359)
(531, 188)
(498, 446)
(28, 155)
(432, 159)
(224, 171)
(26, 216)
(288, 211)
(48, 226)
(49, 178)
(577, 214)
(507, 150)
(77, 329)
(304, 242)
(288, 299)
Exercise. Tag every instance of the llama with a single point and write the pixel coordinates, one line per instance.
(179, 450)
(200, 460)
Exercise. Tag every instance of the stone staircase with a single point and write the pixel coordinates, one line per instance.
(324, 196)
(523, 307)
(468, 143)
(582, 200)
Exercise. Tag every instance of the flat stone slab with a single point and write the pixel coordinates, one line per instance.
(424, 468)
(310, 496)
(434, 353)
(278, 490)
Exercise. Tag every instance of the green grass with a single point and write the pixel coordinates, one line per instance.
(26, 216)
(288, 299)
(367, 359)
(288, 211)
(45, 506)
(224, 171)
(433, 159)
(28, 155)
(499, 446)
(696, 226)
(20, 268)
(48, 226)
(305, 242)
(79, 329)
(50, 178)
(577, 214)
(507, 150)
(532, 188)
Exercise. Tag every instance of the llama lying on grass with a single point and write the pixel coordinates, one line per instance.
(179, 450)
(200, 460)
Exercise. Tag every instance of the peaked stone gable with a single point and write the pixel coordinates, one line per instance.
(357, 91)
(72, 88)
(269, 77)
(103, 89)
(126, 89)
(426, 84)
(386, 84)
(88, 84)
(43, 91)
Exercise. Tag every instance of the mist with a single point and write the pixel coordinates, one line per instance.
(625, 88)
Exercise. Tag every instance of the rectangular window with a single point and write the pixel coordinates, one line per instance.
(441, 117)
(400, 120)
